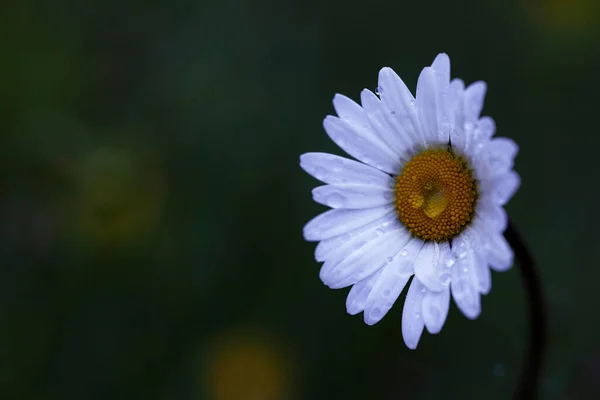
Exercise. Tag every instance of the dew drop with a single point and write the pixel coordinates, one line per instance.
(388, 260)
(450, 262)
(423, 290)
(417, 315)
(404, 253)
(379, 232)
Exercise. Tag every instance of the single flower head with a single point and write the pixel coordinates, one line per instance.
(425, 198)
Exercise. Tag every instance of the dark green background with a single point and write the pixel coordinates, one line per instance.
(151, 202)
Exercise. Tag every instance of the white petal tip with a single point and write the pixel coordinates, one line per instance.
(386, 70)
(411, 345)
(352, 310)
(434, 330)
(441, 62)
(472, 314)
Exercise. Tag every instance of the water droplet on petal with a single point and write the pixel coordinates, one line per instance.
(379, 232)
(417, 315)
(404, 253)
(388, 260)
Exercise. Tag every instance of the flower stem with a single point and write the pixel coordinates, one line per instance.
(527, 387)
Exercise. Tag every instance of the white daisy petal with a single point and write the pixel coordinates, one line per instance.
(412, 320)
(428, 267)
(357, 297)
(391, 281)
(458, 137)
(464, 282)
(348, 110)
(484, 129)
(493, 217)
(435, 309)
(358, 238)
(483, 274)
(505, 187)
(474, 95)
(366, 149)
(427, 109)
(499, 253)
(352, 196)
(365, 261)
(445, 117)
(380, 119)
(502, 152)
(484, 278)
(334, 169)
(336, 222)
(441, 66)
(400, 101)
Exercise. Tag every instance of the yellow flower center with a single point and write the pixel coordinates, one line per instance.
(436, 195)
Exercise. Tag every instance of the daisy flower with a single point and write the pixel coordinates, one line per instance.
(425, 198)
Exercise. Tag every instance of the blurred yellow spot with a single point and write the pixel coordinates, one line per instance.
(246, 368)
(435, 195)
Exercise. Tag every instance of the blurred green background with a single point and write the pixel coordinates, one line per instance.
(151, 202)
